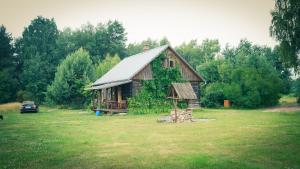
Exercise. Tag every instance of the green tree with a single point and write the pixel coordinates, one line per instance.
(98, 41)
(106, 64)
(134, 48)
(198, 54)
(8, 76)
(71, 77)
(210, 71)
(39, 60)
(285, 28)
(244, 75)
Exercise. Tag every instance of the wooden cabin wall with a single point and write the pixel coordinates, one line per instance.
(145, 74)
(188, 74)
(186, 71)
(196, 88)
(136, 87)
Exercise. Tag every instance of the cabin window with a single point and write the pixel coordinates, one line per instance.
(171, 63)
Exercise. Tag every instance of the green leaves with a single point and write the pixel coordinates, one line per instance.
(152, 97)
(72, 75)
(198, 54)
(8, 75)
(106, 64)
(285, 28)
(245, 77)
(98, 40)
(37, 52)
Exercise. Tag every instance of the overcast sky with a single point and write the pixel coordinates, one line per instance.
(179, 21)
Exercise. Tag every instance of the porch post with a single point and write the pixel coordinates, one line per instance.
(119, 97)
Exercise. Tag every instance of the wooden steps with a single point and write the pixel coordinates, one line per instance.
(194, 104)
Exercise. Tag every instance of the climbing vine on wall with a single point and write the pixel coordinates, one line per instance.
(153, 96)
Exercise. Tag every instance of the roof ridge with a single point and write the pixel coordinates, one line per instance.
(146, 51)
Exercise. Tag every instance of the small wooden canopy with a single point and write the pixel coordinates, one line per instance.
(183, 91)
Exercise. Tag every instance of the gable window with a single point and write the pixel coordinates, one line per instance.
(171, 63)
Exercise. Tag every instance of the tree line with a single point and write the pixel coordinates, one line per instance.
(54, 66)
(29, 63)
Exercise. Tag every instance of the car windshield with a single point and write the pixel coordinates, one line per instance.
(28, 102)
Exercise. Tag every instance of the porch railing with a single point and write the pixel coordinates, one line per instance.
(110, 104)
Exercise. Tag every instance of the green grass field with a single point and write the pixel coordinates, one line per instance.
(60, 138)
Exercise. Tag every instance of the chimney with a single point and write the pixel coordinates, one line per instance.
(146, 46)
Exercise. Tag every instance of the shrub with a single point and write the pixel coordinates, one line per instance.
(213, 96)
(71, 77)
(244, 76)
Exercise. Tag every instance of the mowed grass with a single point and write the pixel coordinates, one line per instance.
(61, 138)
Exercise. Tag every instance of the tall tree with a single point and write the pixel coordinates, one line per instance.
(134, 48)
(103, 39)
(285, 28)
(71, 77)
(8, 79)
(39, 59)
(246, 75)
(106, 64)
(198, 54)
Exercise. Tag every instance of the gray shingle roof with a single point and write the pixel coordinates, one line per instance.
(130, 66)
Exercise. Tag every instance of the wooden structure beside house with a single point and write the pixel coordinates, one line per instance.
(124, 80)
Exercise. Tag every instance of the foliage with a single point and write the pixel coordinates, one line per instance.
(245, 77)
(286, 29)
(210, 71)
(145, 103)
(152, 97)
(23, 95)
(98, 41)
(134, 48)
(71, 77)
(8, 76)
(106, 64)
(198, 54)
(39, 60)
(297, 89)
(214, 95)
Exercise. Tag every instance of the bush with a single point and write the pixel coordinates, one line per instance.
(146, 103)
(213, 96)
(71, 78)
(245, 77)
(23, 96)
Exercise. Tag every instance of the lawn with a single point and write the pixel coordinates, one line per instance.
(61, 138)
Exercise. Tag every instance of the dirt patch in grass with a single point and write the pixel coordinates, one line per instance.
(283, 109)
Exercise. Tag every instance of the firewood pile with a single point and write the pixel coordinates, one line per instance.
(180, 116)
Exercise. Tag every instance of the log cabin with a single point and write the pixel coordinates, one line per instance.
(124, 80)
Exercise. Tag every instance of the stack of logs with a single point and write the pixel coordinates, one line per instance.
(182, 115)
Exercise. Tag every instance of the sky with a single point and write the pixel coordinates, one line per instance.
(229, 21)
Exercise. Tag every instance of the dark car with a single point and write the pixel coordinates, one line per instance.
(29, 106)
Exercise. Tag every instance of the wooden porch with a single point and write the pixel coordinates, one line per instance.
(114, 106)
(111, 100)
